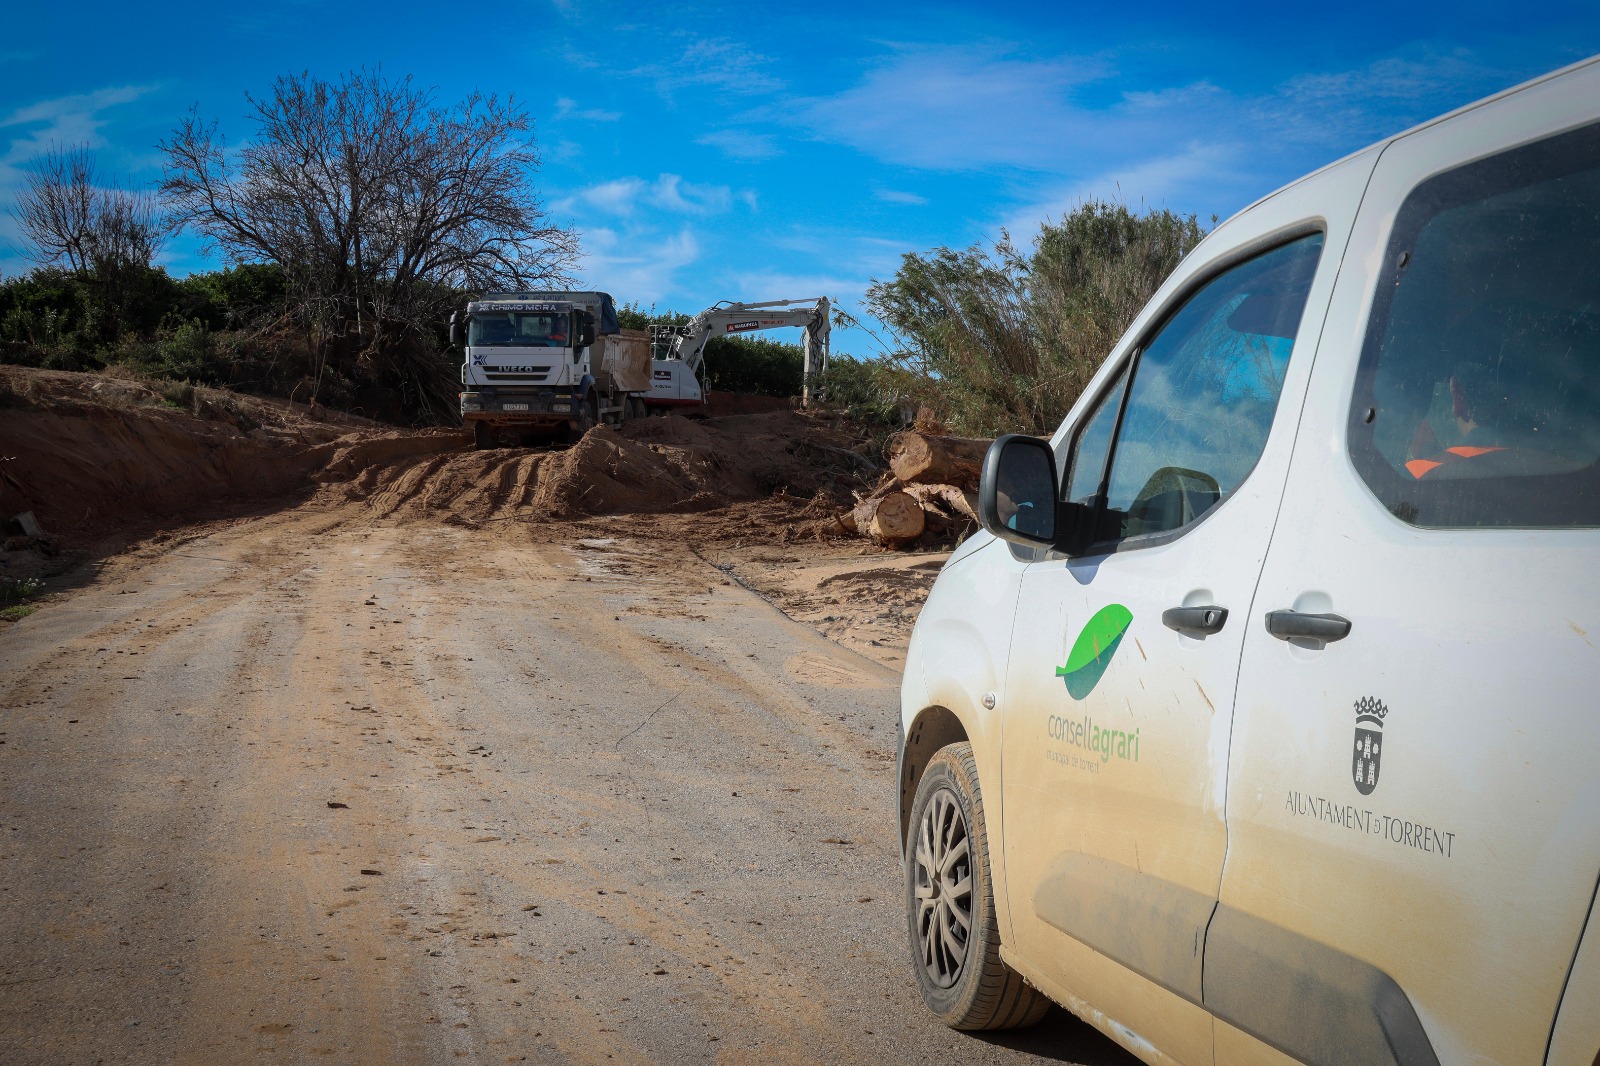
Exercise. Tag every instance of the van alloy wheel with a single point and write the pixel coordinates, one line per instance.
(950, 917)
(943, 888)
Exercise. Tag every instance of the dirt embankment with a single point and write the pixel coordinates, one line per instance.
(93, 454)
(651, 466)
(90, 454)
(102, 461)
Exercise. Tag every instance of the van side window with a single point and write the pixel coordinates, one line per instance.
(1201, 400)
(1093, 446)
(1477, 403)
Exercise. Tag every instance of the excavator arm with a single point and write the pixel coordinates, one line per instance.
(688, 342)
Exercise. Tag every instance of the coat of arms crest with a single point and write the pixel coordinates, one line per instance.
(1370, 714)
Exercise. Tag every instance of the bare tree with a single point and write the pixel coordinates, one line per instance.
(376, 202)
(69, 218)
(106, 235)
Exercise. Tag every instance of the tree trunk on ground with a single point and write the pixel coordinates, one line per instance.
(933, 460)
(955, 500)
(890, 519)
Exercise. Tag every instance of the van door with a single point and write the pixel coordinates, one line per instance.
(1121, 679)
(1413, 802)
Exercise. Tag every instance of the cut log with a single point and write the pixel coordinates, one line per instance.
(890, 519)
(955, 501)
(933, 460)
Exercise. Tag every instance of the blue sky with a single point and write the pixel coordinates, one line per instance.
(710, 151)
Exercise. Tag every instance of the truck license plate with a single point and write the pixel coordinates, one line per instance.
(516, 407)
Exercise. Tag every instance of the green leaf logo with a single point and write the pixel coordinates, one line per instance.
(1095, 646)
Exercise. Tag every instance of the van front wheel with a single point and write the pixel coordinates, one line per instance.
(955, 939)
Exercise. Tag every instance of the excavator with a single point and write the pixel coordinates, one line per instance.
(680, 350)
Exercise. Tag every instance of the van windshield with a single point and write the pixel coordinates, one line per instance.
(517, 329)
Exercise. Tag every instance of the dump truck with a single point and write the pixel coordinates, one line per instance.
(547, 365)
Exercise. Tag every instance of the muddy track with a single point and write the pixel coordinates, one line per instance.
(322, 788)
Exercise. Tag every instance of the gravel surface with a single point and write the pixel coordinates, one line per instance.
(309, 789)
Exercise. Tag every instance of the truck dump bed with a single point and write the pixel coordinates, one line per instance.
(625, 361)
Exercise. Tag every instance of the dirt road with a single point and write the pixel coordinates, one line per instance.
(309, 789)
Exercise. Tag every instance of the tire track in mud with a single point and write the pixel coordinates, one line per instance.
(570, 865)
(132, 697)
(632, 913)
(794, 1013)
(328, 929)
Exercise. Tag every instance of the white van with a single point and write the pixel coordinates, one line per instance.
(1262, 724)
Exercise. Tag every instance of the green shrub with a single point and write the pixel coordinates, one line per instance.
(19, 590)
(997, 340)
(759, 365)
(865, 389)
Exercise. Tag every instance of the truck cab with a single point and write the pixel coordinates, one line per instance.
(527, 361)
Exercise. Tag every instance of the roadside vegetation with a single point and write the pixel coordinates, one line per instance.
(14, 596)
(1003, 339)
(360, 212)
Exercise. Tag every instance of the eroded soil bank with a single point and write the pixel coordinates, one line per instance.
(347, 744)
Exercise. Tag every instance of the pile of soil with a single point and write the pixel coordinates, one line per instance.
(650, 466)
(92, 455)
(104, 461)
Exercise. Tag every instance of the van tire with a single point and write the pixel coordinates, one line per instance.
(978, 990)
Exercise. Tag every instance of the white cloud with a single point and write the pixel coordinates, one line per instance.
(672, 193)
(567, 108)
(65, 121)
(895, 196)
(1165, 181)
(743, 145)
(668, 192)
(636, 264)
(988, 107)
(613, 197)
(958, 108)
(561, 151)
(1371, 102)
(720, 63)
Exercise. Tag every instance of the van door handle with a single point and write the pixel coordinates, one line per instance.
(1288, 625)
(1195, 619)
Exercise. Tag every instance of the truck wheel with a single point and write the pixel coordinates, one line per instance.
(588, 414)
(955, 940)
(482, 435)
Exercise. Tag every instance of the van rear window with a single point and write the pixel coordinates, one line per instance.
(1478, 398)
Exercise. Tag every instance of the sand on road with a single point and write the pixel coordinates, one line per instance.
(307, 788)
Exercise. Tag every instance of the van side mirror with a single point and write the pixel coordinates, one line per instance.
(1019, 498)
(455, 327)
(1017, 492)
(586, 329)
